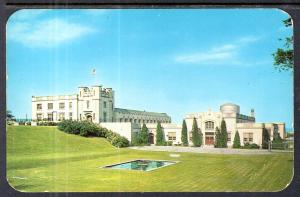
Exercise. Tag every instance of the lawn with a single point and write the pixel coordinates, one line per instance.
(46, 159)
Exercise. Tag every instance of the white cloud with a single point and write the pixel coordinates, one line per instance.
(46, 33)
(223, 54)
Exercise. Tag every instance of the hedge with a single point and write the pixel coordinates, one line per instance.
(87, 129)
(250, 146)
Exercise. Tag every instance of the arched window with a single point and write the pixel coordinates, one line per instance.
(209, 125)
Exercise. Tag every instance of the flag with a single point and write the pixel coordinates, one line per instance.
(94, 71)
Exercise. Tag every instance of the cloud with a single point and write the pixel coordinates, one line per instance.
(226, 53)
(46, 33)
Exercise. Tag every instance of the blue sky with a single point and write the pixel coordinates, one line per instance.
(165, 60)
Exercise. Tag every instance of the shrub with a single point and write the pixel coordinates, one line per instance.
(120, 141)
(21, 123)
(250, 146)
(86, 129)
(169, 143)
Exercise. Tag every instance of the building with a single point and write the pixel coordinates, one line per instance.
(249, 130)
(96, 104)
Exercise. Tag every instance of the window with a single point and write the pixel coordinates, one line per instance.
(61, 116)
(104, 116)
(248, 137)
(125, 119)
(70, 115)
(228, 137)
(39, 106)
(121, 120)
(80, 117)
(61, 105)
(209, 125)
(50, 105)
(191, 136)
(39, 116)
(70, 105)
(172, 136)
(94, 116)
(87, 104)
(104, 104)
(50, 117)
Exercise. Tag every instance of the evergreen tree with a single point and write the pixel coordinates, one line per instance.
(195, 134)
(160, 139)
(144, 135)
(265, 139)
(237, 140)
(223, 135)
(277, 142)
(136, 139)
(184, 137)
(217, 138)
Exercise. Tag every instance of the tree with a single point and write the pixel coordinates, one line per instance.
(237, 140)
(144, 135)
(136, 139)
(184, 137)
(277, 142)
(265, 139)
(160, 138)
(9, 116)
(196, 139)
(284, 57)
(217, 138)
(223, 135)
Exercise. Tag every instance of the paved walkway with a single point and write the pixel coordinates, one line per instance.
(205, 150)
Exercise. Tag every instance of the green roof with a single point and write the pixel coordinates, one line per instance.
(130, 111)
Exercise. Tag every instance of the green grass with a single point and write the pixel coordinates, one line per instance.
(45, 159)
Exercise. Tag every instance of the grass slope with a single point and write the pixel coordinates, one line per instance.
(45, 159)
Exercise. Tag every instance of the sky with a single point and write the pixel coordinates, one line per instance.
(163, 60)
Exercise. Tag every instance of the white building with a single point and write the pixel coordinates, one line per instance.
(248, 129)
(97, 104)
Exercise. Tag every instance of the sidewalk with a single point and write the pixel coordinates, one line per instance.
(206, 150)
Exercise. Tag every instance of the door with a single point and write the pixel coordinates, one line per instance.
(209, 140)
(151, 138)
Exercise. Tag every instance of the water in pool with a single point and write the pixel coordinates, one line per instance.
(143, 165)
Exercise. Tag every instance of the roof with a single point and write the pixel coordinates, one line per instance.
(130, 111)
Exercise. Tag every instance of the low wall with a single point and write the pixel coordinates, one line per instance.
(123, 128)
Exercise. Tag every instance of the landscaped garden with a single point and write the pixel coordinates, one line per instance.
(43, 158)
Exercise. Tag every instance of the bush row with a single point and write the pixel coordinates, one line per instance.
(87, 129)
(46, 123)
(250, 146)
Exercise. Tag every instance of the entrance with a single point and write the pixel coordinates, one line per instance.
(151, 138)
(209, 140)
(89, 117)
